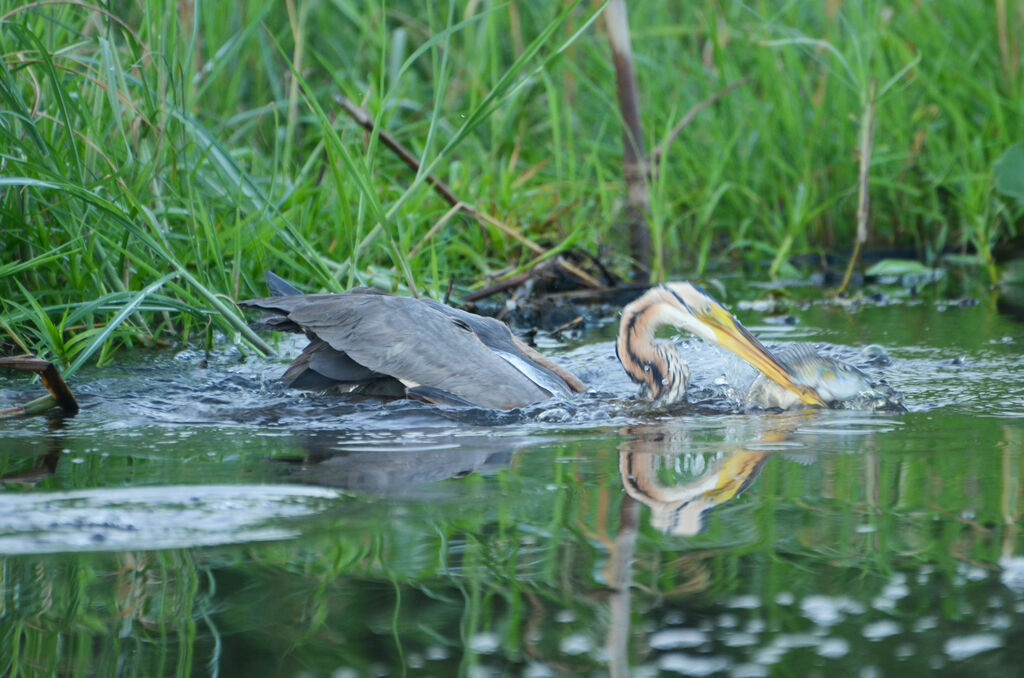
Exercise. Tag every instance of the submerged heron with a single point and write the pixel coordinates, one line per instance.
(842, 385)
(367, 341)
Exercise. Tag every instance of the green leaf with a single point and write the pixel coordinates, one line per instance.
(1009, 172)
(897, 267)
(115, 322)
(962, 260)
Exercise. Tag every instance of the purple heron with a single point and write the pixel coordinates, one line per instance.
(659, 367)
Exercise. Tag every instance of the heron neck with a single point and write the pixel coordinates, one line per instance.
(657, 366)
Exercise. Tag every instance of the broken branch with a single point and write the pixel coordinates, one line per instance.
(60, 394)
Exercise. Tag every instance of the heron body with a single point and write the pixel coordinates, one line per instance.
(366, 341)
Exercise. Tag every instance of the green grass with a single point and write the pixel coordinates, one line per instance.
(156, 161)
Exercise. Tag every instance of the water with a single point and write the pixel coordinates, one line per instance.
(200, 520)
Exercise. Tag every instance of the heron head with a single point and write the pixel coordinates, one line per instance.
(694, 310)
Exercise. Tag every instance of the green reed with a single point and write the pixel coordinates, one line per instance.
(193, 148)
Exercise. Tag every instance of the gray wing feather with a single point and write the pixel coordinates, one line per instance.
(419, 342)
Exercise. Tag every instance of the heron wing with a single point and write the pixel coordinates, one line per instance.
(420, 343)
(320, 366)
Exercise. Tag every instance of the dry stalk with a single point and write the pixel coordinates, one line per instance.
(867, 142)
(633, 159)
(687, 118)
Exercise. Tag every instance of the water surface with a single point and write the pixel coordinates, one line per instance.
(197, 520)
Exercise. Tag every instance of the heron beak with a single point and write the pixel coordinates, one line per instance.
(736, 338)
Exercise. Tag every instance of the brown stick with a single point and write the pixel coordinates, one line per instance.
(688, 117)
(578, 320)
(1010, 59)
(500, 286)
(51, 379)
(366, 122)
(544, 268)
(867, 142)
(633, 161)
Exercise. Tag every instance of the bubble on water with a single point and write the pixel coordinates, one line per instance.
(728, 621)
(965, 647)
(998, 622)
(925, 623)
(672, 639)
(691, 665)
(749, 671)
(881, 629)
(828, 611)
(875, 355)
(484, 643)
(745, 602)
(1012, 575)
(538, 670)
(833, 648)
(740, 640)
(790, 641)
(576, 643)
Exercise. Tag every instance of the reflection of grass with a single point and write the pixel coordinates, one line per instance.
(158, 160)
(143, 607)
(511, 567)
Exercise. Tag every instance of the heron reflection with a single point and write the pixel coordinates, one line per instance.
(680, 508)
(654, 455)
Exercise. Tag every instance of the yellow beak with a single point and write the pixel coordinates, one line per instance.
(735, 337)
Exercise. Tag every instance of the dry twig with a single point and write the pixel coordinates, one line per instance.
(60, 394)
(687, 118)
